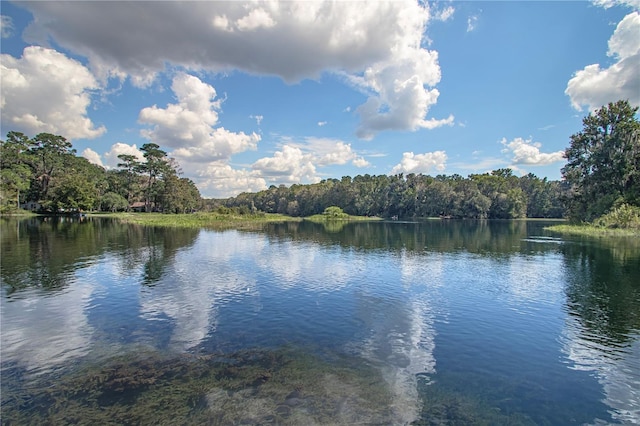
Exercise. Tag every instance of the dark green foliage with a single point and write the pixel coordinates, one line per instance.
(112, 202)
(603, 167)
(499, 195)
(46, 173)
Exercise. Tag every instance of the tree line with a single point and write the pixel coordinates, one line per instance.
(602, 175)
(44, 173)
(495, 195)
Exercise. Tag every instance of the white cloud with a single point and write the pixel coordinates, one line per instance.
(298, 162)
(258, 118)
(111, 159)
(188, 125)
(472, 23)
(31, 339)
(635, 4)
(528, 152)
(92, 156)
(444, 14)
(220, 180)
(201, 147)
(257, 18)
(401, 100)
(45, 91)
(594, 86)
(6, 26)
(625, 41)
(290, 165)
(325, 152)
(378, 44)
(421, 163)
(361, 162)
(322, 123)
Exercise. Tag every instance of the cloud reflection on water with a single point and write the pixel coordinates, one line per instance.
(197, 284)
(41, 332)
(616, 366)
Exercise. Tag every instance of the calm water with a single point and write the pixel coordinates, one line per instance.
(438, 322)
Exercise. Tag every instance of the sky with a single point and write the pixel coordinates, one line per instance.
(248, 94)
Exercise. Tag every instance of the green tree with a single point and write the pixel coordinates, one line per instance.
(15, 173)
(113, 202)
(48, 153)
(155, 167)
(130, 167)
(603, 162)
(71, 193)
(334, 212)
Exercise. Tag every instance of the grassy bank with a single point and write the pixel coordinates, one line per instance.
(16, 212)
(214, 220)
(320, 218)
(227, 219)
(622, 221)
(593, 231)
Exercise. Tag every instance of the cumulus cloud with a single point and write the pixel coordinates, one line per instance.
(298, 162)
(528, 152)
(289, 165)
(398, 97)
(421, 163)
(594, 86)
(6, 26)
(92, 156)
(361, 162)
(188, 125)
(221, 180)
(326, 152)
(203, 148)
(45, 91)
(377, 44)
(257, 18)
(111, 159)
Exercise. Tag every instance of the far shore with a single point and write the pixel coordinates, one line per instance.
(225, 220)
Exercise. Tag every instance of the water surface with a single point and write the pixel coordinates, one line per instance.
(437, 322)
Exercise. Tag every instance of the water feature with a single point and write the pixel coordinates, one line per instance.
(433, 322)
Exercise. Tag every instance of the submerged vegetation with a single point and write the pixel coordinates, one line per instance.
(283, 386)
(286, 386)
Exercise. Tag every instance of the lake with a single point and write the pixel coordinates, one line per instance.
(432, 322)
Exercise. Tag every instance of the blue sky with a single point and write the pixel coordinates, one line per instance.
(250, 94)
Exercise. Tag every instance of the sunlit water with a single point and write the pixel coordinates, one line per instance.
(439, 322)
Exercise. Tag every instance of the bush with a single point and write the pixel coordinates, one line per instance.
(334, 212)
(624, 216)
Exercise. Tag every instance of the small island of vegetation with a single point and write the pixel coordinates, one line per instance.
(599, 192)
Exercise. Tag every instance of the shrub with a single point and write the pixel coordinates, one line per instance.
(623, 216)
(334, 212)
